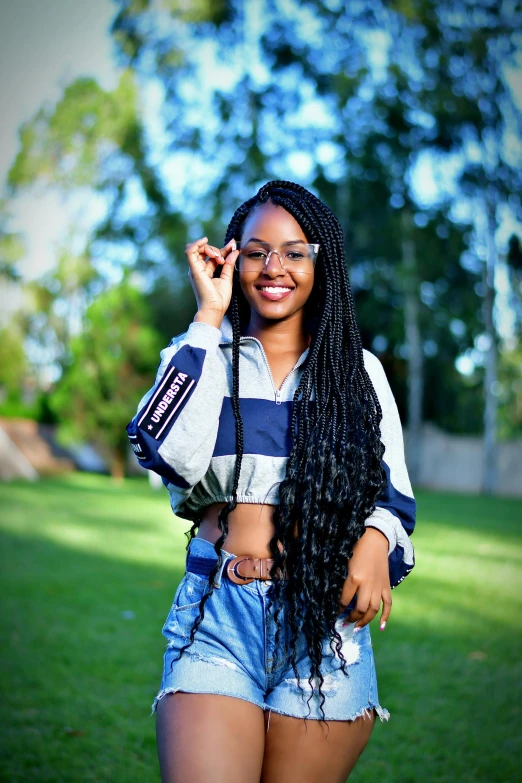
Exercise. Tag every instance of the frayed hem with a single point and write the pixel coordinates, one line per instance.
(166, 691)
(160, 695)
(381, 712)
(365, 712)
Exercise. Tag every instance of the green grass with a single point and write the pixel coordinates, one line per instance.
(78, 677)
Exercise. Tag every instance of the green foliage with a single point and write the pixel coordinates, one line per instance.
(510, 392)
(13, 362)
(72, 144)
(12, 246)
(172, 305)
(113, 363)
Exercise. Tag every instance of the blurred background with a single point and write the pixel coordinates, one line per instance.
(131, 127)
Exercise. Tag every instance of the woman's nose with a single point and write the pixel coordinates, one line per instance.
(273, 264)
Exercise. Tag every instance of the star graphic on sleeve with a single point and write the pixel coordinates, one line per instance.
(149, 427)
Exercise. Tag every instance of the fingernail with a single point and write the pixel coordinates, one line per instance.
(357, 628)
(233, 244)
(382, 626)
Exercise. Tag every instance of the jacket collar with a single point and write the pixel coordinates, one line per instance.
(226, 337)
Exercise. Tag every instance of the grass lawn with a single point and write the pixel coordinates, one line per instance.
(88, 573)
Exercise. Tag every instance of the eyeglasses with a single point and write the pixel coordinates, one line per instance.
(295, 257)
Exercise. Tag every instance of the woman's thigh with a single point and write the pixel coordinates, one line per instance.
(313, 752)
(207, 737)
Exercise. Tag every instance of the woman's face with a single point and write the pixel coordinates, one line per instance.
(272, 292)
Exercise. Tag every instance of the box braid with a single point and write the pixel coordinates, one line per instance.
(334, 472)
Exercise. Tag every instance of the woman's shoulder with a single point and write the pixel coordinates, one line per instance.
(375, 370)
(373, 365)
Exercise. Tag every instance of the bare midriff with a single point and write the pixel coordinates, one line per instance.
(250, 528)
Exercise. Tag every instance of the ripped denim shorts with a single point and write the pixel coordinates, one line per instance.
(234, 652)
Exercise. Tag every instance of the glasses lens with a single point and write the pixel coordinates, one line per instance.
(299, 257)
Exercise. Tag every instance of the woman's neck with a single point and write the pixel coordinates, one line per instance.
(287, 335)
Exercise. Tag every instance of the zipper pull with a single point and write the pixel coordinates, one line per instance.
(278, 396)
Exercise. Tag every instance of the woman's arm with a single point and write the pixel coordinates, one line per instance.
(175, 428)
(383, 556)
(395, 512)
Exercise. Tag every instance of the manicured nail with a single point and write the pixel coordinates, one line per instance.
(382, 626)
(357, 628)
(234, 244)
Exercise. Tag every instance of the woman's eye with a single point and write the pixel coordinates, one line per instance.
(294, 256)
(256, 254)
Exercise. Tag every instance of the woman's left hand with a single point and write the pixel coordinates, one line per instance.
(369, 577)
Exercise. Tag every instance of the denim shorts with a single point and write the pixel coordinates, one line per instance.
(234, 652)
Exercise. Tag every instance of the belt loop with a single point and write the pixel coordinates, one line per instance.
(219, 575)
(207, 548)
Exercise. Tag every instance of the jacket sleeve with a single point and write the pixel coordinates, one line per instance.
(395, 512)
(175, 429)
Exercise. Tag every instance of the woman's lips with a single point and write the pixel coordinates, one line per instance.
(274, 293)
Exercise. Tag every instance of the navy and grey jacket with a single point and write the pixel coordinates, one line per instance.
(185, 431)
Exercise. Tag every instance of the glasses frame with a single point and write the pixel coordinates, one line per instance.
(316, 247)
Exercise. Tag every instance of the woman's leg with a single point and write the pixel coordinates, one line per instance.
(312, 753)
(207, 737)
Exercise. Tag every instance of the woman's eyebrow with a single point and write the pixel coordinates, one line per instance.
(267, 244)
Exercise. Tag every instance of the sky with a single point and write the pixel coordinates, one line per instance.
(44, 45)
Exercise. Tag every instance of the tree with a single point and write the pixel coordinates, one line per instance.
(13, 364)
(11, 247)
(464, 48)
(363, 131)
(113, 361)
(243, 95)
(510, 391)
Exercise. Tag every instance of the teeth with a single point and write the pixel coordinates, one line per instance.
(274, 289)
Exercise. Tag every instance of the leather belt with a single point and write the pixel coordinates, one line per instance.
(244, 569)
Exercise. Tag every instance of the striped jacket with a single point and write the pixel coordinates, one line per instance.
(185, 431)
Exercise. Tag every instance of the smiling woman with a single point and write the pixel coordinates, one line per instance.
(284, 275)
(277, 435)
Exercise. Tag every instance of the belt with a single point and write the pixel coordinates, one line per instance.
(241, 570)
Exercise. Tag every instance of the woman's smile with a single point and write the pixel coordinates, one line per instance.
(274, 292)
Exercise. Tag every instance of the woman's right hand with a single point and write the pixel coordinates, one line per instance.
(213, 294)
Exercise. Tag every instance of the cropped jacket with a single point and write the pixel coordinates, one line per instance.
(184, 430)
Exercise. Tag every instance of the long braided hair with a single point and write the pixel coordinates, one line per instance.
(334, 472)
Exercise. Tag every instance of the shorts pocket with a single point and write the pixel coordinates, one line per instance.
(185, 606)
(190, 591)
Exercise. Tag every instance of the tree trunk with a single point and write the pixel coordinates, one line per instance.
(415, 351)
(489, 475)
(118, 467)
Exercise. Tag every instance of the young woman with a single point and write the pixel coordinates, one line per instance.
(277, 434)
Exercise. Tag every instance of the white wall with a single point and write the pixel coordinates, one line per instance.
(454, 462)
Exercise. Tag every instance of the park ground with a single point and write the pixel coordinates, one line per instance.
(88, 571)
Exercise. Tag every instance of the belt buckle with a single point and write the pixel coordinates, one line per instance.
(233, 574)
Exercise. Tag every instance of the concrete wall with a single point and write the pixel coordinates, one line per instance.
(454, 462)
